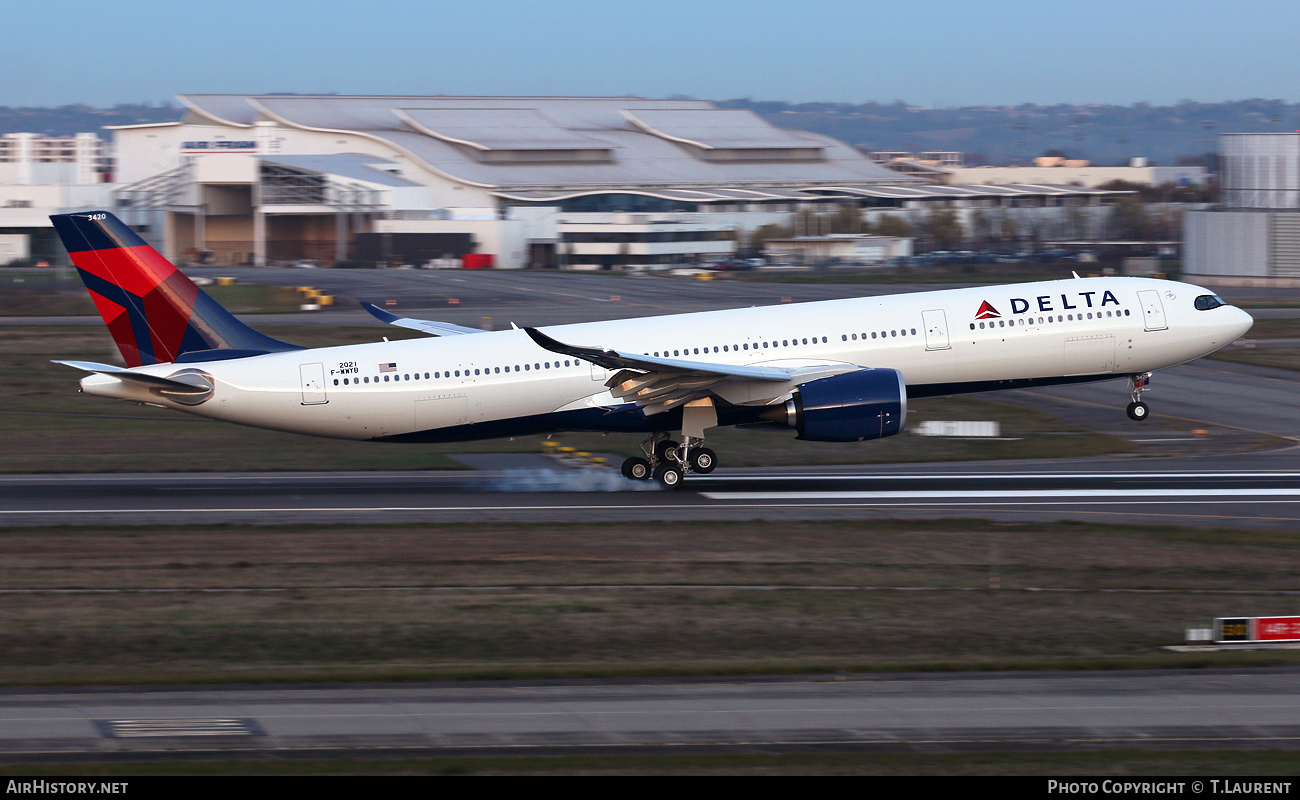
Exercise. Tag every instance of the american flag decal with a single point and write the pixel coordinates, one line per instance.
(388, 367)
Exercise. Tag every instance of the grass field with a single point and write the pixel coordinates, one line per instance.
(223, 604)
(1275, 357)
(1280, 328)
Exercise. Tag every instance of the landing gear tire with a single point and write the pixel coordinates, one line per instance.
(1138, 411)
(666, 450)
(669, 476)
(703, 460)
(636, 469)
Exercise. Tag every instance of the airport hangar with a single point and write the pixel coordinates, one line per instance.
(579, 183)
(1252, 236)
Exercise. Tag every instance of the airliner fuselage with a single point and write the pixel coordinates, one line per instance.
(835, 371)
(504, 383)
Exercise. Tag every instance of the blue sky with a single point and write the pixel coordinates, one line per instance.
(925, 52)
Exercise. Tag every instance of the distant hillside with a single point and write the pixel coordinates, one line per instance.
(1006, 134)
(988, 134)
(68, 120)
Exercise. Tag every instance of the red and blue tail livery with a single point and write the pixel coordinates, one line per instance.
(155, 313)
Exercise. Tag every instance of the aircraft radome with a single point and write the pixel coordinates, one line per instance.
(834, 371)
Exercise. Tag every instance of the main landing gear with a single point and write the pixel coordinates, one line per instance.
(669, 462)
(1137, 384)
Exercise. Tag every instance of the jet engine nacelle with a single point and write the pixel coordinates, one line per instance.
(850, 407)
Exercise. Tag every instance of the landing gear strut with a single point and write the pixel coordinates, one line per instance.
(669, 462)
(1137, 384)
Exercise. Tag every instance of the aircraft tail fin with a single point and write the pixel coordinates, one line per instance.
(154, 312)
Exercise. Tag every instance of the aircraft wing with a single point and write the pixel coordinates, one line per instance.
(428, 326)
(660, 384)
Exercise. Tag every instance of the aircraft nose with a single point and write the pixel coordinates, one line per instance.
(1240, 323)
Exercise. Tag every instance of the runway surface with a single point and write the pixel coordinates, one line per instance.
(930, 712)
(1187, 491)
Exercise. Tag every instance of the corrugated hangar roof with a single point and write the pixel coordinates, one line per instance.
(497, 129)
(471, 139)
(356, 166)
(715, 128)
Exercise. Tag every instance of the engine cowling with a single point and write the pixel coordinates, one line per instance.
(850, 407)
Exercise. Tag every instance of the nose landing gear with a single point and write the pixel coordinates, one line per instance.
(1137, 384)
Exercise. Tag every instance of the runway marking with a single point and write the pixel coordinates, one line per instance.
(994, 494)
(597, 587)
(1002, 476)
(311, 509)
(775, 500)
(138, 728)
(702, 712)
(382, 477)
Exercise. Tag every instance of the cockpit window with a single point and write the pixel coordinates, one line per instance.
(1207, 301)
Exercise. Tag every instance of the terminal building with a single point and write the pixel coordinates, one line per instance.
(516, 182)
(1253, 235)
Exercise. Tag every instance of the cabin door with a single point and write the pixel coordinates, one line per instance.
(313, 384)
(1153, 310)
(936, 329)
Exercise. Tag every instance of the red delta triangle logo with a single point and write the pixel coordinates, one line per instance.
(987, 311)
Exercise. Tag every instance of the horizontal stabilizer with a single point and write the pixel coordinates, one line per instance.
(185, 383)
(427, 326)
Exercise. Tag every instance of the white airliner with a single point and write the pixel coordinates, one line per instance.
(834, 371)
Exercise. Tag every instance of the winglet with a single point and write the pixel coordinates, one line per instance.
(426, 326)
(380, 314)
(601, 357)
(547, 343)
(612, 359)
